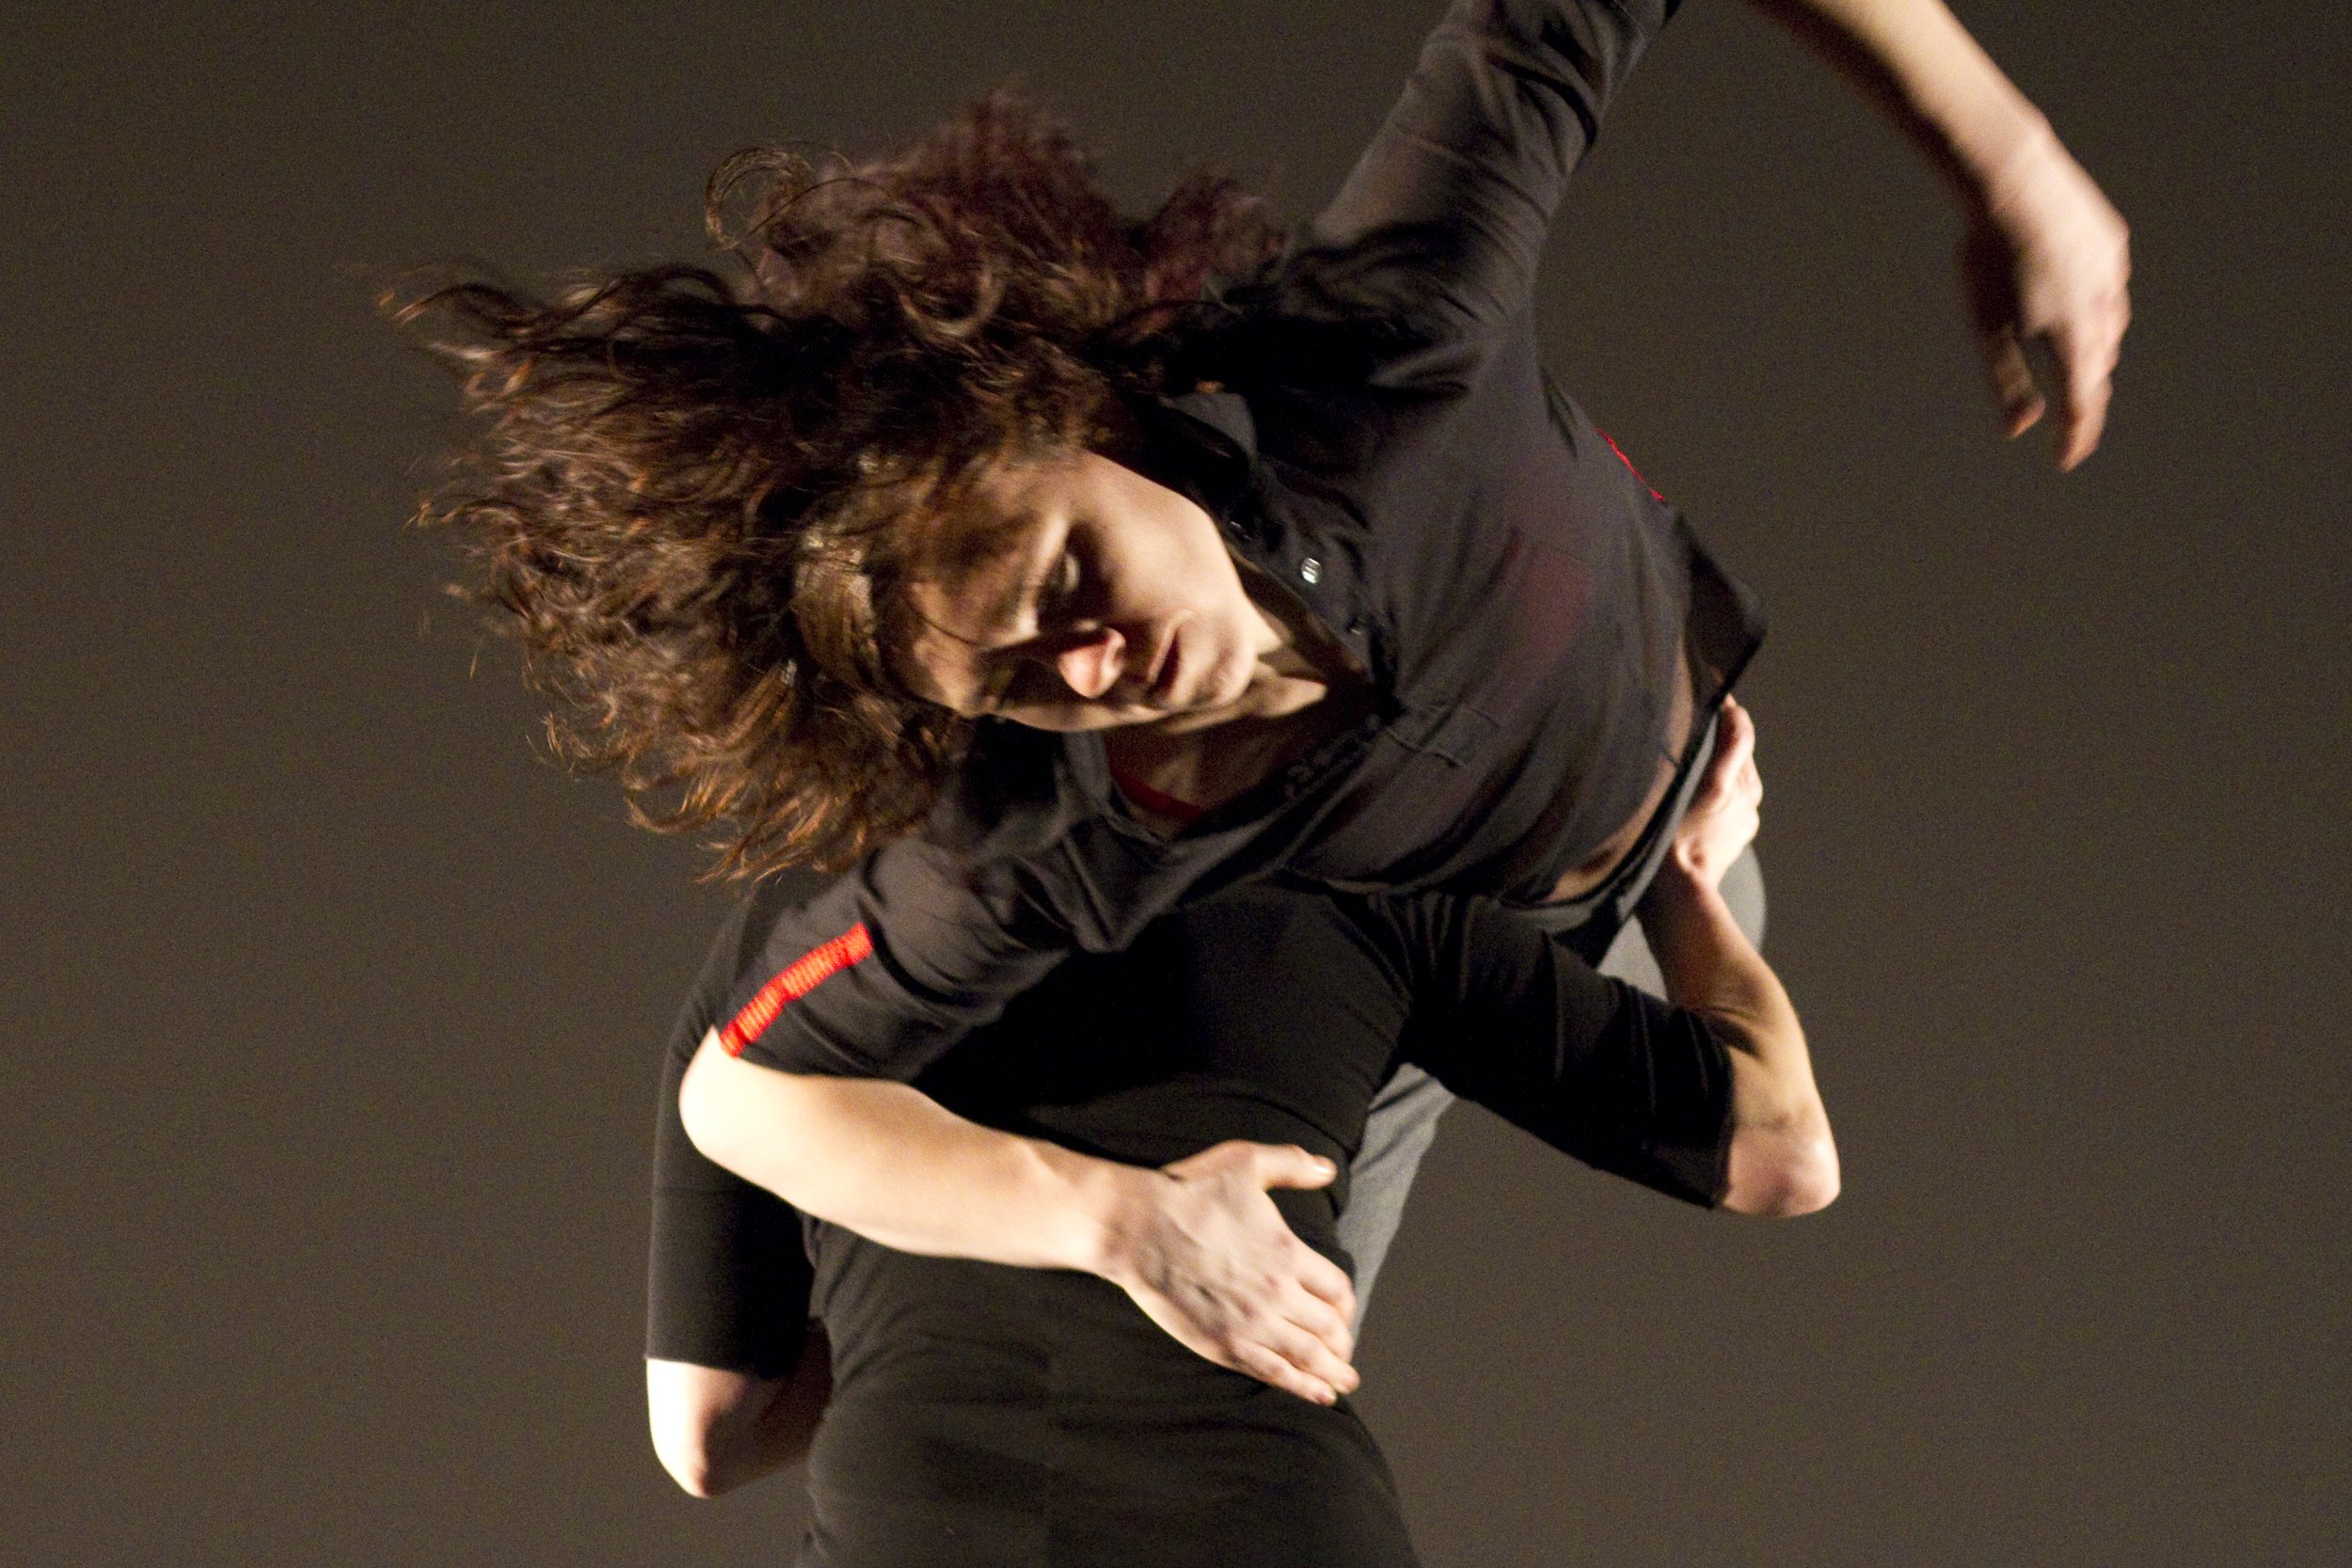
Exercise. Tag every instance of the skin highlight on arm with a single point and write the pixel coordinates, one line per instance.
(2046, 258)
(715, 1429)
(1782, 1159)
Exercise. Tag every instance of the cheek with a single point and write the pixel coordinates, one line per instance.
(1164, 562)
(1198, 575)
(930, 671)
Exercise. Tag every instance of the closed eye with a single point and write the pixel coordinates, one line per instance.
(1057, 595)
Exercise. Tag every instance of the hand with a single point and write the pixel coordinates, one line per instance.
(1210, 1260)
(2046, 261)
(1727, 808)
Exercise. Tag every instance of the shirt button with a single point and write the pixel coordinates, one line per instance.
(1310, 571)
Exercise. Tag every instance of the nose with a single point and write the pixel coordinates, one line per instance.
(1091, 667)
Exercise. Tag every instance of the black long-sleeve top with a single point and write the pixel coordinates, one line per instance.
(1266, 1012)
(984, 1414)
(1376, 434)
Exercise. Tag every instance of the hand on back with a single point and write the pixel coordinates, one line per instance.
(1210, 1258)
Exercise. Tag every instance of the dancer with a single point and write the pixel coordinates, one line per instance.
(988, 544)
(983, 1414)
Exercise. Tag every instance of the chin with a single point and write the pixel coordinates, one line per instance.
(1235, 684)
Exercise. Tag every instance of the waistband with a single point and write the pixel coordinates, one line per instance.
(1589, 922)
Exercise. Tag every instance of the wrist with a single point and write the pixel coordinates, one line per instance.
(1683, 911)
(1686, 879)
(2003, 173)
(1115, 1204)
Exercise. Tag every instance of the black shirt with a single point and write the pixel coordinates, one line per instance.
(1264, 1013)
(982, 1414)
(1382, 440)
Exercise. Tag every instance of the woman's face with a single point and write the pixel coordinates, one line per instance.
(1074, 594)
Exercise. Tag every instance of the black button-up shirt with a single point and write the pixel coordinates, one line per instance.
(1383, 442)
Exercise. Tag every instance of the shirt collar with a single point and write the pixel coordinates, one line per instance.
(1204, 444)
(1227, 413)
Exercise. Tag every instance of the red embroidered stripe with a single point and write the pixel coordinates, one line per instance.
(805, 974)
(1628, 463)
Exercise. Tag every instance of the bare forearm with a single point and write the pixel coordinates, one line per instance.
(1198, 1246)
(1921, 67)
(1782, 1159)
(889, 1162)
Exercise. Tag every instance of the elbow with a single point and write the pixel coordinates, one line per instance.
(704, 1422)
(694, 1472)
(687, 1442)
(1780, 1172)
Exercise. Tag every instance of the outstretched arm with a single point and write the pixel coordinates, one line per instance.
(1441, 224)
(2046, 260)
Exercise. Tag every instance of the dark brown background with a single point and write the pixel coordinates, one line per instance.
(331, 1012)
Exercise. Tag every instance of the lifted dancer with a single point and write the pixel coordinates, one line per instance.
(984, 540)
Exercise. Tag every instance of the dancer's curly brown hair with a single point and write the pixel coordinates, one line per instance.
(693, 498)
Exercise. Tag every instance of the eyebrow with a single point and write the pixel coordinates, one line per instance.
(1024, 586)
(992, 678)
(1023, 590)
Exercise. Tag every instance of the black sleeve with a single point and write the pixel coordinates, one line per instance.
(1510, 1018)
(932, 935)
(894, 962)
(727, 1274)
(1443, 220)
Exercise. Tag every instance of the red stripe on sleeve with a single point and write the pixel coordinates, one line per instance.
(803, 974)
(1628, 463)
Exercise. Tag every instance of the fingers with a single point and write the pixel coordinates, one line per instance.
(1724, 810)
(1734, 744)
(2086, 338)
(1302, 1347)
(1271, 1328)
(1287, 1166)
(1735, 753)
(2086, 354)
(1312, 1357)
(2013, 380)
(1747, 781)
(1987, 268)
(1330, 1321)
(1269, 1367)
(2048, 268)
(1328, 1283)
(1230, 1280)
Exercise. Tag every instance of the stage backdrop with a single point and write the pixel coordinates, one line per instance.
(332, 1010)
